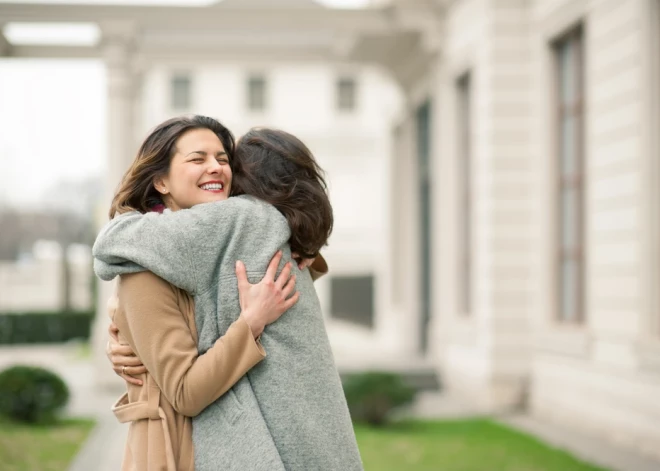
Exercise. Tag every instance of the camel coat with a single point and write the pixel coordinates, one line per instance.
(157, 320)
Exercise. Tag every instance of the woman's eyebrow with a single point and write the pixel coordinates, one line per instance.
(217, 154)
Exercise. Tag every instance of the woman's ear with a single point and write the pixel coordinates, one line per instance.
(161, 186)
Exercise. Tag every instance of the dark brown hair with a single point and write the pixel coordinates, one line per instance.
(136, 191)
(278, 168)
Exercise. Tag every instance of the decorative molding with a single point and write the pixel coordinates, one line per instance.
(194, 19)
(562, 19)
(411, 44)
(564, 341)
(6, 48)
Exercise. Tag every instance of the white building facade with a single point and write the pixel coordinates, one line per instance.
(535, 199)
(342, 111)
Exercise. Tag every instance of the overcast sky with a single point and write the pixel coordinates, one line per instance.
(52, 120)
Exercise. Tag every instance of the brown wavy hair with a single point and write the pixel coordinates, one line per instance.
(136, 192)
(278, 168)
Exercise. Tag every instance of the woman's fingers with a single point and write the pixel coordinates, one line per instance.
(113, 330)
(284, 276)
(291, 301)
(272, 266)
(241, 274)
(122, 350)
(130, 379)
(290, 286)
(122, 360)
(127, 374)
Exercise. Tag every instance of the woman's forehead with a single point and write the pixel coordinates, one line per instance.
(199, 139)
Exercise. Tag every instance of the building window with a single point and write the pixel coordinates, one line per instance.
(424, 131)
(352, 299)
(346, 94)
(569, 57)
(464, 159)
(256, 93)
(180, 92)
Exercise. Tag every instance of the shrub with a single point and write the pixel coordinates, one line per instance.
(372, 396)
(31, 394)
(44, 327)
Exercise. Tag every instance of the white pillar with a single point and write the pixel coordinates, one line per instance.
(404, 236)
(117, 50)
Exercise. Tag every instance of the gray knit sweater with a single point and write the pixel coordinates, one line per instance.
(289, 412)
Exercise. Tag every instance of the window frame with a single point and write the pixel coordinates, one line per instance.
(575, 182)
(464, 89)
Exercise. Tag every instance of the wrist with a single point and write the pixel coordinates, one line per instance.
(255, 326)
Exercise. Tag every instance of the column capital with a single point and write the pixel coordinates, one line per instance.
(117, 42)
(5, 45)
(118, 30)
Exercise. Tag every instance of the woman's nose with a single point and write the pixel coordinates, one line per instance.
(214, 167)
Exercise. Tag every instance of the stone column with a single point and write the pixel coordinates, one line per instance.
(117, 51)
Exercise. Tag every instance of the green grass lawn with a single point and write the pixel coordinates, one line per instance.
(41, 447)
(467, 445)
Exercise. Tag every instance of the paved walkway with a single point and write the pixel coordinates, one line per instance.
(583, 446)
(104, 449)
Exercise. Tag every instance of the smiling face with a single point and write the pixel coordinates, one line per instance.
(199, 171)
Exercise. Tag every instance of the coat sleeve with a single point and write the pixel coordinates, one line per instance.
(151, 321)
(182, 247)
(318, 268)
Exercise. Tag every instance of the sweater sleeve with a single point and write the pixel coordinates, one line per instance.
(150, 319)
(182, 247)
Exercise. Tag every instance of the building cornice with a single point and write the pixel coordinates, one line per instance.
(212, 30)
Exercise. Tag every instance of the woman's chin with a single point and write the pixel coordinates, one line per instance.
(210, 196)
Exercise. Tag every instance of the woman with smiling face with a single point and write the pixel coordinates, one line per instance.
(287, 412)
(156, 320)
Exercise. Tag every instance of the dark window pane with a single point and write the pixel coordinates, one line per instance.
(568, 146)
(424, 143)
(567, 78)
(346, 94)
(463, 87)
(181, 92)
(257, 93)
(570, 165)
(352, 299)
(570, 212)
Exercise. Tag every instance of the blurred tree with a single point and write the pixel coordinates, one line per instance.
(19, 230)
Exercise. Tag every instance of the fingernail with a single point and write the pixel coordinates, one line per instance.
(237, 263)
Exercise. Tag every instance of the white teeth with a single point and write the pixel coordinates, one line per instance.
(212, 186)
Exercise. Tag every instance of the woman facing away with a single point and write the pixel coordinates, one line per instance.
(289, 411)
